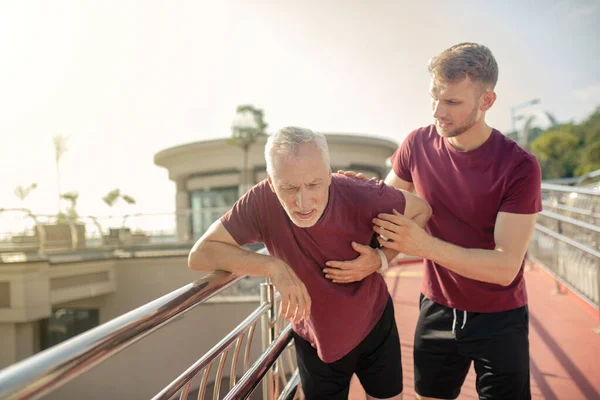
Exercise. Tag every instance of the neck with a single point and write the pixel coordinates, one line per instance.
(472, 138)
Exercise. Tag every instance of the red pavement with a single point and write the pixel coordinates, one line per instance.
(563, 343)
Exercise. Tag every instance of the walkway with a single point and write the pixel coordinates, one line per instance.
(563, 343)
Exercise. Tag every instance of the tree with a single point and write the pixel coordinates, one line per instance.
(248, 126)
(590, 152)
(115, 194)
(111, 198)
(590, 159)
(556, 151)
(60, 148)
(71, 214)
(569, 149)
(22, 192)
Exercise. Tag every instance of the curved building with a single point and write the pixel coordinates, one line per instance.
(208, 174)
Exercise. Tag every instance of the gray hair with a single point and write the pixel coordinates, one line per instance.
(286, 142)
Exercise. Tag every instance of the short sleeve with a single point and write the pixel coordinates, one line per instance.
(386, 199)
(523, 194)
(242, 221)
(401, 160)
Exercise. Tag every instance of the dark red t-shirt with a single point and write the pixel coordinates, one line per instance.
(466, 190)
(341, 314)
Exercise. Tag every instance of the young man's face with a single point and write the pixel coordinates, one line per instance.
(301, 183)
(456, 105)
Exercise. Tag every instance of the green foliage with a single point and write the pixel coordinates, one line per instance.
(115, 194)
(244, 135)
(569, 149)
(71, 213)
(111, 197)
(60, 146)
(22, 192)
(128, 199)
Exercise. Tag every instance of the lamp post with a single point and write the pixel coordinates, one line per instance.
(514, 117)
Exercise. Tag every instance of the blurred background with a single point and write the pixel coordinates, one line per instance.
(128, 127)
(120, 81)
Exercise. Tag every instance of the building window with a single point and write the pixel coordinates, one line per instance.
(208, 205)
(65, 323)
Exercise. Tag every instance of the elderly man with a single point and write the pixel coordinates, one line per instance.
(306, 216)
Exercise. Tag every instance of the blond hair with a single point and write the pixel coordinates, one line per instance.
(465, 60)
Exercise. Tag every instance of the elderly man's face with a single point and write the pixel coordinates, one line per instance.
(301, 183)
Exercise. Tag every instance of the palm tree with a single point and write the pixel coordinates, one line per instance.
(22, 192)
(60, 148)
(115, 194)
(247, 127)
(71, 211)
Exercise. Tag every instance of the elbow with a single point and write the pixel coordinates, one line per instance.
(197, 258)
(428, 211)
(510, 274)
(424, 215)
(505, 282)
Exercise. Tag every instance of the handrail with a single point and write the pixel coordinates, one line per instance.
(579, 286)
(567, 240)
(38, 375)
(210, 356)
(580, 211)
(571, 221)
(569, 189)
(38, 226)
(259, 369)
(289, 391)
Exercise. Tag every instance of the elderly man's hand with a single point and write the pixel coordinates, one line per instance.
(404, 235)
(355, 270)
(295, 300)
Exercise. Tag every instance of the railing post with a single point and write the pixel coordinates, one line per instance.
(559, 261)
(270, 387)
(597, 330)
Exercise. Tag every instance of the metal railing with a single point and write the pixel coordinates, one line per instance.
(23, 231)
(45, 372)
(566, 240)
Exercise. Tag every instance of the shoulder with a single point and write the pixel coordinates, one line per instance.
(362, 190)
(514, 156)
(422, 134)
(261, 187)
(258, 195)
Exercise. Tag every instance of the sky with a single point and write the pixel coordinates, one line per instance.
(125, 79)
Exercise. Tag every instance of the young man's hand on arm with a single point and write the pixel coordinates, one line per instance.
(369, 260)
(217, 250)
(512, 235)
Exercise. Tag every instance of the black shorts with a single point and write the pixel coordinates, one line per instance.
(376, 361)
(497, 343)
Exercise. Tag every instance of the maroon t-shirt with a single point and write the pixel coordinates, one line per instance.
(341, 314)
(466, 190)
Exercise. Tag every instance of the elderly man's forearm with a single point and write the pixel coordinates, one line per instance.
(211, 256)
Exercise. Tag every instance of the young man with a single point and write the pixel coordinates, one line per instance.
(485, 192)
(305, 216)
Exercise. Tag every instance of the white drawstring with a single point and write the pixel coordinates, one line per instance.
(454, 321)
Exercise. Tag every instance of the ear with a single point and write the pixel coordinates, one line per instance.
(270, 183)
(489, 98)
